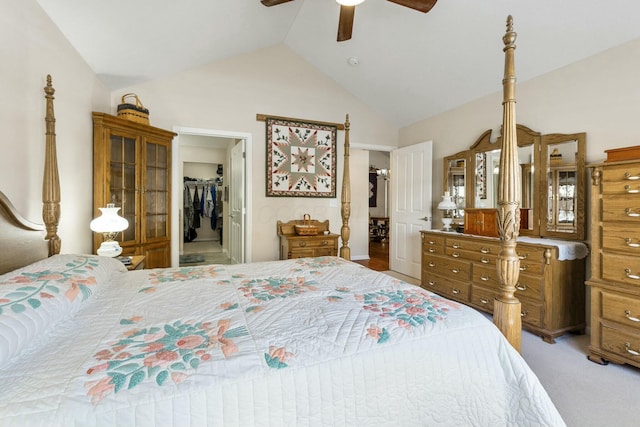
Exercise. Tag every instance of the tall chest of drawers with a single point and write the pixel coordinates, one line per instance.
(463, 268)
(615, 263)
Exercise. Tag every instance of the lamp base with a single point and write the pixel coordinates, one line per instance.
(110, 248)
(446, 224)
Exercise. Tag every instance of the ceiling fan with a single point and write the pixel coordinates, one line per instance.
(348, 9)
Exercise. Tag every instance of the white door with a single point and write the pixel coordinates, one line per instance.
(237, 204)
(410, 205)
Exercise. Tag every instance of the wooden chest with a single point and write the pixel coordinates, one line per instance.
(615, 263)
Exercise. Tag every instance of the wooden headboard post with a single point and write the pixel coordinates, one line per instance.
(51, 181)
(345, 250)
(506, 306)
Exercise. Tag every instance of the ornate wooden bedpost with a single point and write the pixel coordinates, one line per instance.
(345, 250)
(51, 182)
(506, 315)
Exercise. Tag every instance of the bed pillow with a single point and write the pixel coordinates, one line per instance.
(35, 298)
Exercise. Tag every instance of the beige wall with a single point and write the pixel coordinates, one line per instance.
(33, 47)
(227, 95)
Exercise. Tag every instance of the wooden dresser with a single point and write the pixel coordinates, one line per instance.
(615, 263)
(294, 246)
(463, 268)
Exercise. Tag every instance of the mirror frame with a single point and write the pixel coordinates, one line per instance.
(462, 155)
(526, 137)
(540, 143)
(550, 140)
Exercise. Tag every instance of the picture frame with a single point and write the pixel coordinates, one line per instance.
(301, 158)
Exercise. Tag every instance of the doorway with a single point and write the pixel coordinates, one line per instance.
(198, 150)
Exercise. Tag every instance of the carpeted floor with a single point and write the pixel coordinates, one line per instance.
(203, 253)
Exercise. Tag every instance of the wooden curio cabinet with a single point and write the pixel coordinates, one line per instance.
(132, 170)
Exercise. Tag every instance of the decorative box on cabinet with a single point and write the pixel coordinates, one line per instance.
(132, 169)
(295, 246)
(615, 263)
(463, 268)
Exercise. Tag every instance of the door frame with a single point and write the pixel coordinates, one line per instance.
(176, 186)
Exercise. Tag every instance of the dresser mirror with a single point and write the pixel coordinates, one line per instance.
(455, 182)
(563, 198)
(553, 191)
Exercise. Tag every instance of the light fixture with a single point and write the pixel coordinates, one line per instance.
(349, 2)
(109, 223)
(447, 204)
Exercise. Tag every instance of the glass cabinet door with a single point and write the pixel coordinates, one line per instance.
(156, 191)
(122, 184)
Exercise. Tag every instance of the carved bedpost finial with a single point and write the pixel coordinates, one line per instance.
(51, 181)
(345, 250)
(506, 306)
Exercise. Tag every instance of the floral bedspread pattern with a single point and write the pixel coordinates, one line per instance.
(272, 317)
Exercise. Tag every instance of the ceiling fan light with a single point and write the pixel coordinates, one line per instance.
(349, 2)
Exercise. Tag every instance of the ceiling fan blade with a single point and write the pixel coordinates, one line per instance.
(345, 24)
(270, 3)
(420, 5)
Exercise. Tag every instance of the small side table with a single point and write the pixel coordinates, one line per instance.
(137, 262)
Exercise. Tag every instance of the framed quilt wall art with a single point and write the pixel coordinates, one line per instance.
(301, 158)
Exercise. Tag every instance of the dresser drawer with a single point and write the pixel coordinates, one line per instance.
(301, 253)
(531, 312)
(483, 297)
(315, 242)
(621, 187)
(528, 253)
(446, 287)
(487, 276)
(475, 256)
(432, 240)
(622, 208)
(459, 270)
(433, 249)
(621, 268)
(621, 173)
(528, 286)
(621, 237)
(622, 343)
(480, 245)
(622, 309)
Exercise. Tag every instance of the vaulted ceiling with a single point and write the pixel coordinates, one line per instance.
(410, 65)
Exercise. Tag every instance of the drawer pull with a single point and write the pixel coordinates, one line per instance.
(455, 270)
(456, 246)
(456, 254)
(484, 301)
(455, 291)
(525, 256)
(431, 283)
(630, 351)
(485, 250)
(629, 212)
(524, 314)
(302, 244)
(521, 288)
(629, 190)
(524, 267)
(325, 243)
(485, 278)
(630, 177)
(431, 251)
(431, 242)
(627, 314)
(627, 272)
(629, 243)
(431, 264)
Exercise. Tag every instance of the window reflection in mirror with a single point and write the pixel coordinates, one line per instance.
(455, 182)
(561, 187)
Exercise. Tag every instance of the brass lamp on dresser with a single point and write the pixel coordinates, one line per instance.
(615, 263)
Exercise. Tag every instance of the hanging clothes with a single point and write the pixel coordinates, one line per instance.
(212, 208)
(196, 209)
(188, 229)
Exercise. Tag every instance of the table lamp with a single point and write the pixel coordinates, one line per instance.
(109, 223)
(447, 204)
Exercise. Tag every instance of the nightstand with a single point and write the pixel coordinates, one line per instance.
(137, 262)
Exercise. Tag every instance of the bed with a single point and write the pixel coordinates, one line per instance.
(306, 342)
